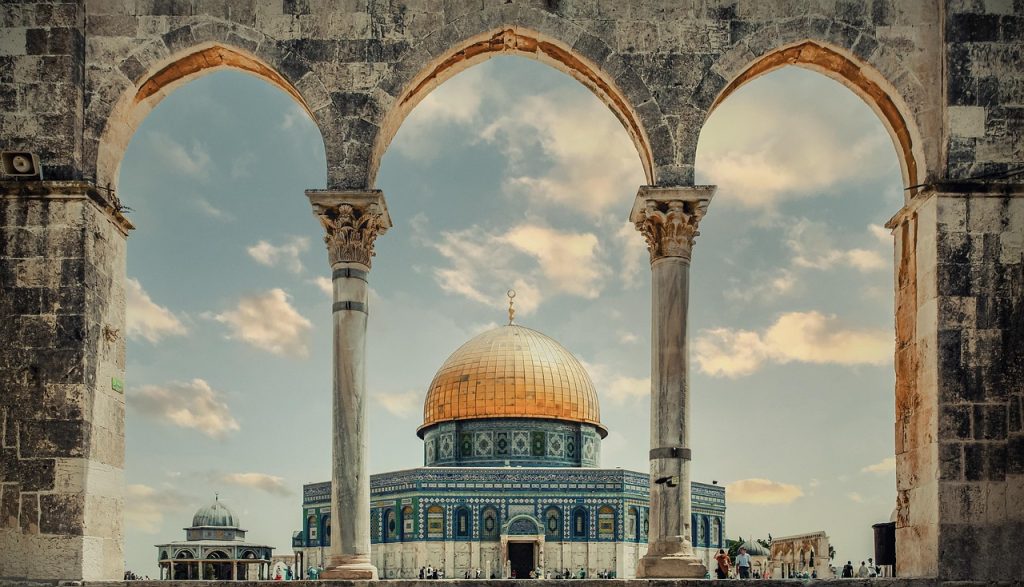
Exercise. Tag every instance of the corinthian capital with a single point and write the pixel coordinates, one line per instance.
(668, 218)
(352, 220)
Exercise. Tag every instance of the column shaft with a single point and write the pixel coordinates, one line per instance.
(670, 402)
(350, 480)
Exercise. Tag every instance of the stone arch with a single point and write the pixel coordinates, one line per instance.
(148, 83)
(415, 77)
(740, 65)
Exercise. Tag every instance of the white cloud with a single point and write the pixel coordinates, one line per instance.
(766, 286)
(806, 337)
(634, 256)
(404, 405)
(193, 404)
(193, 162)
(457, 101)
(628, 338)
(212, 211)
(324, 284)
(268, 322)
(882, 234)
(762, 492)
(886, 465)
(534, 260)
(145, 318)
(145, 506)
(567, 259)
(812, 246)
(287, 254)
(618, 388)
(271, 484)
(814, 483)
(855, 497)
(594, 166)
(784, 153)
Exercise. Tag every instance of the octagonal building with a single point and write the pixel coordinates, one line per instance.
(511, 480)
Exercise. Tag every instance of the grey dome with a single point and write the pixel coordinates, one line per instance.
(215, 514)
(755, 549)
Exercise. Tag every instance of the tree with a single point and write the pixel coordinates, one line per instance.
(733, 546)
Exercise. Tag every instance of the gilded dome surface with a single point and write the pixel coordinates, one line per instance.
(512, 372)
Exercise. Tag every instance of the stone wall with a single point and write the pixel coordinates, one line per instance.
(62, 450)
(945, 76)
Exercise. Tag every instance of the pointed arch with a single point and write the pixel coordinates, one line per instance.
(511, 40)
(854, 73)
(162, 78)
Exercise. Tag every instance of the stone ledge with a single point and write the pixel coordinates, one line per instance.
(895, 582)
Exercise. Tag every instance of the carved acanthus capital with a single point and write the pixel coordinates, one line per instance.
(352, 220)
(668, 218)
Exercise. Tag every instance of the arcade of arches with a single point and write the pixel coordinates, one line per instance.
(944, 77)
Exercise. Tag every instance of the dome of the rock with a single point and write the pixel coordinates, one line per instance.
(512, 372)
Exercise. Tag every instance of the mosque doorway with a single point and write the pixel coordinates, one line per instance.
(521, 559)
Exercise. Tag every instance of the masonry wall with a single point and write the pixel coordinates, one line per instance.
(980, 359)
(62, 452)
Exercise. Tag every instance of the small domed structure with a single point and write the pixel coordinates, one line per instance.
(754, 548)
(215, 515)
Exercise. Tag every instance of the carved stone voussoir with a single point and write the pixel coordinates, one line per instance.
(668, 218)
(352, 220)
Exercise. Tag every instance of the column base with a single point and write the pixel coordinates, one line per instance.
(355, 569)
(671, 560)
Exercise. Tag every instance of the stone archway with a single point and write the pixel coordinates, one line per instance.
(509, 41)
(138, 100)
(522, 546)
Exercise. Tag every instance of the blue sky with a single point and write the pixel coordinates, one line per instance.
(510, 175)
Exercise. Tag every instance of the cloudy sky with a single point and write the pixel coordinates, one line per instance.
(510, 175)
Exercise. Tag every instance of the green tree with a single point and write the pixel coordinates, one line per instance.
(733, 547)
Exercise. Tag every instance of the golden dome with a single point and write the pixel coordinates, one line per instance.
(512, 372)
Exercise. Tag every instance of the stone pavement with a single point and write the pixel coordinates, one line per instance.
(877, 582)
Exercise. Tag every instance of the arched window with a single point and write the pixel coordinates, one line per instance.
(632, 527)
(553, 523)
(462, 527)
(606, 523)
(579, 523)
(325, 529)
(803, 559)
(435, 522)
(312, 530)
(375, 524)
(694, 529)
(390, 526)
(408, 523)
(716, 532)
(489, 528)
(812, 557)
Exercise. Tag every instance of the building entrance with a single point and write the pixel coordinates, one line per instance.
(520, 557)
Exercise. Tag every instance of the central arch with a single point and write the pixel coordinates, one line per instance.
(510, 41)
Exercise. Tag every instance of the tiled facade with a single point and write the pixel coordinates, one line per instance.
(428, 514)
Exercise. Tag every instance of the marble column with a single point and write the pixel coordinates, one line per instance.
(668, 219)
(352, 220)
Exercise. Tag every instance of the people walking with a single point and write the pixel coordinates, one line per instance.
(743, 564)
(722, 570)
